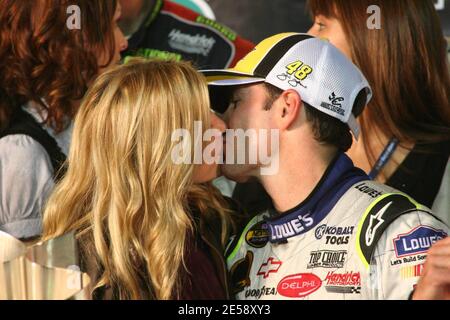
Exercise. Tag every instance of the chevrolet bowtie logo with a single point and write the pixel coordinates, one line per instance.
(271, 266)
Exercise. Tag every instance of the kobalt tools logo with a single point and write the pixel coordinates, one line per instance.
(418, 240)
(327, 259)
(349, 282)
(196, 44)
(271, 266)
(334, 235)
(299, 285)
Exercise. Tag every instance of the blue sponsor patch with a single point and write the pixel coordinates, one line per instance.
(418, 240)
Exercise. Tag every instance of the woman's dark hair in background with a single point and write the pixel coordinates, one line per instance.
(405, 62)
(41, 58)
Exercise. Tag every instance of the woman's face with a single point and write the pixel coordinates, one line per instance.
(207, 172)
(331, 29)
(121, 43)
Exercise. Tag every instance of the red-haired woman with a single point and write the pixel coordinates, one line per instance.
(405, 138)
(45, 69)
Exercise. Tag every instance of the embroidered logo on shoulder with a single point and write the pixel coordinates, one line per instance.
(416, 241)
(257, 236)
(376, 221)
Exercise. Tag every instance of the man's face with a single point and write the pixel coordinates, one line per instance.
(247, 110)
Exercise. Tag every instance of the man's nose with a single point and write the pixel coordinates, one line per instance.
(218, 123)
(226, 117)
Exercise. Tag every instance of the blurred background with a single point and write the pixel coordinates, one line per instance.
(257, 19)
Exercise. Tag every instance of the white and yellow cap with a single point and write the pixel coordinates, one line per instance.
(318, 71)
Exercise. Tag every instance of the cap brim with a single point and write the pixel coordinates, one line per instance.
(229, 78)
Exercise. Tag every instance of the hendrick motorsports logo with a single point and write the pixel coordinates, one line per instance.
(349, 282)
(196, 44)
(327, 259)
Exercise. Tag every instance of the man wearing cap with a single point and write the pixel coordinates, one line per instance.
(332, 232)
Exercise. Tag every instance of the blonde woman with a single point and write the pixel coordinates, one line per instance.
(149, 228)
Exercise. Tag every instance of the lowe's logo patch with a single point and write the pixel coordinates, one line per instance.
(418, 240)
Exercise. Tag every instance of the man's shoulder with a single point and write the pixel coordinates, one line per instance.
(383, 212)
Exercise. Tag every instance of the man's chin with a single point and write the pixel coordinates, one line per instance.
(235, 173)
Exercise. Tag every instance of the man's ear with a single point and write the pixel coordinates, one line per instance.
(288, 107)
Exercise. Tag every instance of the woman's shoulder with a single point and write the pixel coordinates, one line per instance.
(23, 153)
(26, 178)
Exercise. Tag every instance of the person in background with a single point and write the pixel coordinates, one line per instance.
(405, 130)
(45, 69)
(148, 227)
(405, 137)
(163, 29)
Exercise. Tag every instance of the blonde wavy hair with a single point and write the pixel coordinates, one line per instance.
(121, 186)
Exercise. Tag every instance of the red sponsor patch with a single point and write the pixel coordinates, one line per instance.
(299, 285)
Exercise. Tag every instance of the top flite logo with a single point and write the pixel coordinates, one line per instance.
(327, 259)
(418, 240)
(271, 266)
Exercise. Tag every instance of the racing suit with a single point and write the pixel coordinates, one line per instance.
(352, 238)
(174, 32)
